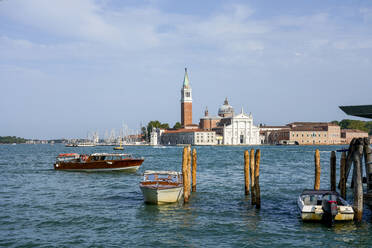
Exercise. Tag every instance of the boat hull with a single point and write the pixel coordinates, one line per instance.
(314, 211)
(155, 195)
(122, 165)
(319, 216)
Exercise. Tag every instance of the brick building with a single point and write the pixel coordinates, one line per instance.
(307, 133)
(265, 132)
(188, 136)
(348, 134)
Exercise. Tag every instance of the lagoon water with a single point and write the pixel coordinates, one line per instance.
(40, 207)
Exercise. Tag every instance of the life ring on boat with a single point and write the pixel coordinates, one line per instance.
(84, 157)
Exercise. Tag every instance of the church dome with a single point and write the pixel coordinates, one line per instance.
(226, 110)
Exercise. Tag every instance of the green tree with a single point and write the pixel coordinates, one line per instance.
(177, 125)
(144, 133)
(11, 139)
(354, 124)
(155, 124)
(369, 126)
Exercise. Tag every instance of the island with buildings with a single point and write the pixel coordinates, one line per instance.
(229, 128)
(225, 128)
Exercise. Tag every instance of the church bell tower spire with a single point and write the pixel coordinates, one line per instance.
(186, 101)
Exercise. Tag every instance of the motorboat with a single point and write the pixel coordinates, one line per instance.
(324, 205)
(71, 145)
(97, 162)
(82, 144)
(120, 147)
(161, 187)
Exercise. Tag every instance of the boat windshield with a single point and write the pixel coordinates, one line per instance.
(161, 177)
(65, 158)
(113, 157)
(107, 157)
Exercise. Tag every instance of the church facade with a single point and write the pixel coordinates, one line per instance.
(241, 131)
(224, 129)
(232, 129)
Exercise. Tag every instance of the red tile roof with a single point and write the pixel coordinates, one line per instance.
(352, 131)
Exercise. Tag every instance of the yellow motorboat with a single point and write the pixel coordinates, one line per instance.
(119, 147)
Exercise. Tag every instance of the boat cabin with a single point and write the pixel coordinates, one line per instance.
(159, 176)
(68, 157)
(170, 178)
(74, 157)
(109, 157)
(315, 197)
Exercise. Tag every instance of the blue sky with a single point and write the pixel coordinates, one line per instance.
(70, 67)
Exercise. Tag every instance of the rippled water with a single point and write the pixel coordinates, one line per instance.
(40, 207)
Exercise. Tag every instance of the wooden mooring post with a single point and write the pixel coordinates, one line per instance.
(257, 178)
(343, 175)
(317, 170)
(354, 158)
(253, 193)
(368, 164)
(246, 173)
(349, 161)
(333, 171)
(189, 159)
(194, 165)
(186, 193)
(358, 187)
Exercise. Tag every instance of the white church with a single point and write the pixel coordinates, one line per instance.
(241, 131)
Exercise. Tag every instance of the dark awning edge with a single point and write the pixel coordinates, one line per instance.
(364, 111)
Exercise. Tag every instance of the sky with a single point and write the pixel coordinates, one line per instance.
(69, 67)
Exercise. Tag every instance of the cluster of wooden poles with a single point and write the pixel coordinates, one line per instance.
(358, 147)
(187, 173)
(252, 176)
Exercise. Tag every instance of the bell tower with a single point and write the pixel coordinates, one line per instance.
(186, 102)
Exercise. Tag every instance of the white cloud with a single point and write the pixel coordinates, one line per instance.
(86, 30)
(367, 14)
(67, 18)
(89, 45)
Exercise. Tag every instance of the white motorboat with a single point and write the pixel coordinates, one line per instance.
(324, 205)
(161, 187)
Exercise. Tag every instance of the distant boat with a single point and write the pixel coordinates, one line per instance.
(83, 144)
(97, 162)
(161, 187)
(343, 149)
(71, 145)
(287, 143)
(324, 205)
(14, 144)
(120, 147)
